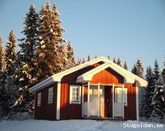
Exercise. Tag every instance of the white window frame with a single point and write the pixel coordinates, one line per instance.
(50, 95)
(71, 94)
(125, 94)
(39, 99)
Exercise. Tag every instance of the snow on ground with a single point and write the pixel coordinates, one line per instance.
(79, 125)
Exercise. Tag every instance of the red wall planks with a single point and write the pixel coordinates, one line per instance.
(130, 109)
(107, 76)
(67, 110)
(46, 111)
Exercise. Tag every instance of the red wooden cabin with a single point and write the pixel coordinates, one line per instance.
(96, 89)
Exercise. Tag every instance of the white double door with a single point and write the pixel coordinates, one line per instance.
(96, 105)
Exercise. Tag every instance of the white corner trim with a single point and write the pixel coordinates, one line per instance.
(123, 100)
(58, 101)
(137, 102)
(113, 94)
(98, 99)
(82, 100)
(88, 104)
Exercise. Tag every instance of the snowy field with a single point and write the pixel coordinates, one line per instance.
(79, 125)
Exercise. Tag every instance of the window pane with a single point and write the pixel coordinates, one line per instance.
(39, 99)
(50, 95)
(74, 96)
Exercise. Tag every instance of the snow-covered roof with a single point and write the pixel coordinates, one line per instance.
(129, 77)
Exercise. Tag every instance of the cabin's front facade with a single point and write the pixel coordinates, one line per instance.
(96, 89)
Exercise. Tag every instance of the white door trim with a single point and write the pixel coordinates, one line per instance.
(58, 100)
(113, 94)
(137, 102)
(88, 99)
(98, 106)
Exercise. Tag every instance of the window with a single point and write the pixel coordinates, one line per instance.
(121, 95)
(39, 99)
(75, 93)
(50, 95)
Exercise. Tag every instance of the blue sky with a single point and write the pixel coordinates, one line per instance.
(129, 29)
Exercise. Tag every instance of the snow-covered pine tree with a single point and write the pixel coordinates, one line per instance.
(163, 75)
(83, 60)
(50, 36)
(148, 92)
(10, 54)
(10, 90)
(70, 56)
(3, 95)
(25, 63)
(149, 73)
(156, 70)
(62, 57)
(138, 69)
(118, 62)
(114, 60)
(158, 99)
(1, 80)
(125, 66)
(78, 62)
(88, 58)
(1, 54)
(109, 58)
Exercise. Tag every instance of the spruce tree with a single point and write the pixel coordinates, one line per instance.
(1, 80)
(62, 57)
(79, 62)
(83, 61)
(149, 73)
(138, 69)
(147, 107)
(70, 56)
(50, 37)
(109, 58)
(10, 54)
(158, 100)
(10, 90)
(1, 54)
(125, 66)
(163, 75)
(114, 60)
(118, 62)
(88, 58)
(156, 70)
(26, 69)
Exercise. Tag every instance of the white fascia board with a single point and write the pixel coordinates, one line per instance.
(57, 77)
(41, 86)
(142, 82)
(128, 76)
(89, 75)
